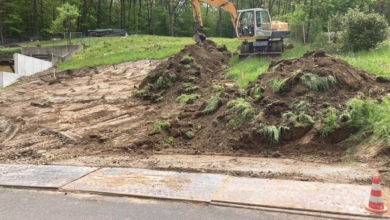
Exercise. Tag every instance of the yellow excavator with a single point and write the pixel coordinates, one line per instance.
(254, 27)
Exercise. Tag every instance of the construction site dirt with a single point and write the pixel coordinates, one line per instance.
(182, 109)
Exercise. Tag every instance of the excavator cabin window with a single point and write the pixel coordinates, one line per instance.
(263, 20)
(247, 23)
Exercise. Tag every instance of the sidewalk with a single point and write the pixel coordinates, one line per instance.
(287, 196)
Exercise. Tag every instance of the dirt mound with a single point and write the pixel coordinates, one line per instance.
(297, 103)
(193, 68)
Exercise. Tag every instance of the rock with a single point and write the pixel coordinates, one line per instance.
(41, 151)
(276, 154)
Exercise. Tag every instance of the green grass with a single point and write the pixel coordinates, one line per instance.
(271, 132)
(375, 61)
(244, 110)
(187, 99)
(212, 104)
(372, 118)
(132, 48)
(330, 122)
(318, 83)
(247, 70)
(297, 51)
(160, 125)
(190, 134)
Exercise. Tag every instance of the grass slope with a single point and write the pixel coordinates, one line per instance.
(375, 61)
(108, 51)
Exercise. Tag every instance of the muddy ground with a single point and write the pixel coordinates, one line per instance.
(117, 115)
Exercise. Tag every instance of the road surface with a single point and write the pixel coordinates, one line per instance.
(41, 205)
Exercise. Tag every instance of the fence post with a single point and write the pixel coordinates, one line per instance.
(304, 37)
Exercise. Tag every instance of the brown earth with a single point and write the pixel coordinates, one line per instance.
(110, 111)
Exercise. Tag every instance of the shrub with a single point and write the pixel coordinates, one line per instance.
(330, 122)
(362, 31)
(9, 51)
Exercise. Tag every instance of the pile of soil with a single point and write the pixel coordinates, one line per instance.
(281, 113)
(183, 105)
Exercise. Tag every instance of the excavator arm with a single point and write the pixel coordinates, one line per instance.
(197, 14)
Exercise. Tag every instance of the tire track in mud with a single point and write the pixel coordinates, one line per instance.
(90, 111)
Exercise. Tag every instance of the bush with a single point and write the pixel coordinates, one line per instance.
(362, 31)
(9, 51)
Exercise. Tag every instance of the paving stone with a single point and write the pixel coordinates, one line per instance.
(40, 175)
(150, 183)
(298, 195)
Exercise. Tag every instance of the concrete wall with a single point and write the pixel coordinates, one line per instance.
(59, 53)
(7, 79)
(24, 66)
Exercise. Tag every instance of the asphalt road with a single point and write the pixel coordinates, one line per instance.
(32, 204)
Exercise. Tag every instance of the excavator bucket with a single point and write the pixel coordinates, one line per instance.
(199, 37)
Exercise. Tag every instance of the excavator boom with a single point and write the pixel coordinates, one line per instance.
(197, 14)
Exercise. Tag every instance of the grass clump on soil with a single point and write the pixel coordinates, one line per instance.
(271, 132)
(187, 98)
(330, 121)
(278, 85)
(318, 83)
(244, 110)
(191, 89)
(212, 104)
(187, 59)
(160, 125)
(139, 93)
(301, 105)
(218, 88)
(169, 140)
(255, 92)
(301, 118)
(305, 119)
(371, 117)
(190, 134)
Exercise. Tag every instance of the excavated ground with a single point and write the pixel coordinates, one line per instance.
(184, 106)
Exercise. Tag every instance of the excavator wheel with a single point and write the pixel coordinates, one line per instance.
(279, 46)
(245, 48)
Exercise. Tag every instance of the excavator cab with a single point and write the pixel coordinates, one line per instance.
(260, 35)
(253, 23)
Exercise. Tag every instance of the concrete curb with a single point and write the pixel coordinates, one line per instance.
(342, 201)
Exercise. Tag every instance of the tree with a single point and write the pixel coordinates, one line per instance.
(66, 20)
(171, 6)
(363, 31)
(9, 19)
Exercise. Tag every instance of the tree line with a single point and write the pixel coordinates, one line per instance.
(34, 18)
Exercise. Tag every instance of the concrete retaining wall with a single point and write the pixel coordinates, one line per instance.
(24, 66)
(59, 53)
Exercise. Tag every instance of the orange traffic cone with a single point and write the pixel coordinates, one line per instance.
(375, 204)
